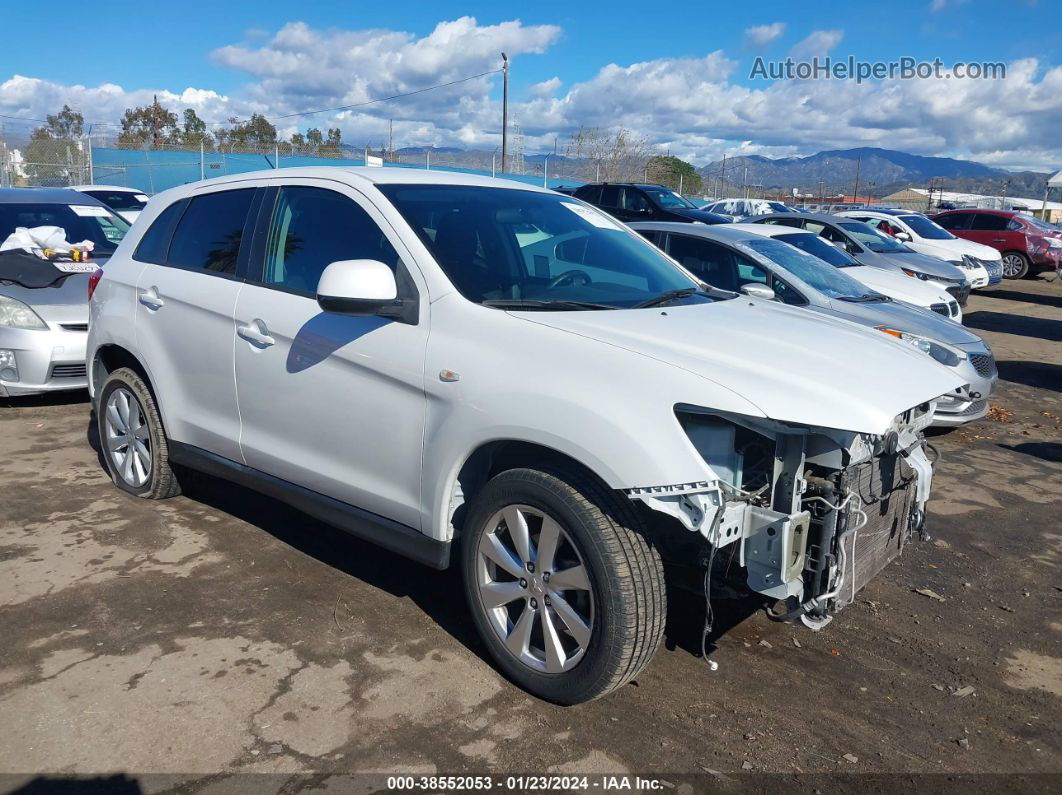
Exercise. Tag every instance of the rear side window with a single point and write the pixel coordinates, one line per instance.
(610, 196)
(589, 193)
(314, 227)
(156, 240)
(989, 222)
(209, 233)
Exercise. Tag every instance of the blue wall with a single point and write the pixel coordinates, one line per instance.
(152, 171)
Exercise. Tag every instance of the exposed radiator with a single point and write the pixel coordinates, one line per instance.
(886, 488)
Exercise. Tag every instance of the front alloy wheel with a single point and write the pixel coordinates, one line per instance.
(126, 438)
(534, 588)
(565, 591)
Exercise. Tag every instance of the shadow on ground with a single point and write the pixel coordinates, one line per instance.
(1006, 323)
(1041, 375)
(1025, 298)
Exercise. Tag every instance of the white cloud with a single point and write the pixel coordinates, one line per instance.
(761, 35)
(546, 87)
(818, 42)
(940, 5)
(698, 107)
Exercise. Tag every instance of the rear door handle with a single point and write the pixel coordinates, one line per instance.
(150, 298)
(999, 240)
(256, 332)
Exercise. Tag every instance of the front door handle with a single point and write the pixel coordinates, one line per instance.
(256, 332)
(999, 240)
(150, 298)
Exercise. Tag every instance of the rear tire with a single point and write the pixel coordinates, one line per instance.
(572, 605)
(1015, 265)
(132, 439)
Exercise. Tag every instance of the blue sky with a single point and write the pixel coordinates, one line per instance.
(229, 53)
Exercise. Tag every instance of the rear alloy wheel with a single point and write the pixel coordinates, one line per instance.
(564, 590)
(134, 445)
(1015, 265)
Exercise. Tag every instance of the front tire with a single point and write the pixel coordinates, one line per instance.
(133, 442)
(1015, 265)
(564, 590)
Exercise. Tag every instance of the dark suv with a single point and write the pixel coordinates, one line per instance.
(1026, 243)
(629, 201)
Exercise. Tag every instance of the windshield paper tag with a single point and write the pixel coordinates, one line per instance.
(90, 210)
(592, 216)
(75, 267)
(140, 197)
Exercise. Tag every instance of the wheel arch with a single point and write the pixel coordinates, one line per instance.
(110, 357)
(473, 470)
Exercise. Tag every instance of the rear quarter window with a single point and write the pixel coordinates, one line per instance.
(155, 243)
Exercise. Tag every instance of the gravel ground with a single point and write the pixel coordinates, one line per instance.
(221, 632)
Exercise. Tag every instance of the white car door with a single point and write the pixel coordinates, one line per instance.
(184, 327)
(333, 403)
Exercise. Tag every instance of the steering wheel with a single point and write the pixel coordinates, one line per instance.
(570, 276)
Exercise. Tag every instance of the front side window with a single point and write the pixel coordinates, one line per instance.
(955, 220)
(209, 233)
(635, 201)
(79, 221)
(311, 228)
(503, 247)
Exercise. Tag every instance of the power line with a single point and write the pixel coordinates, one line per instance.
(300, 113)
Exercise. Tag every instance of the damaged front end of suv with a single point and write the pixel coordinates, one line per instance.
(803, 515)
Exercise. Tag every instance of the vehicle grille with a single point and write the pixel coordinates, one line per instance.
(940, 309)
(886, 488)
(960, 293)
(994, 268)
(984, 364)
(68, 370)
(974, 408)
(75, 326)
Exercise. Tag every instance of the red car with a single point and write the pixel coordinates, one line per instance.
(1026, 243)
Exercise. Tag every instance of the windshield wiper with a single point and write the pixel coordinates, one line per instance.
(866, 298)
(535, 304)
(668, 297)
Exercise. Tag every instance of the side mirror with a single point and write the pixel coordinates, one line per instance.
(906, 238)
(356, 287)
(758, 291)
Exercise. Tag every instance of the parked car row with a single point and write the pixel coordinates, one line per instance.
(483, 373)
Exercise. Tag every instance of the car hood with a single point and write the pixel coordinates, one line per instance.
(904, 317)
(926, 264)
(65, 301)
(898, 285)
(703, 216)
(794, 365)
(954, 249)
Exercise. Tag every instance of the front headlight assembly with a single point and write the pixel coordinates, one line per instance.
(944, 354)
(15, 314)
(918, 274)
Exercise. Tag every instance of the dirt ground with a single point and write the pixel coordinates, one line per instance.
(221, 632)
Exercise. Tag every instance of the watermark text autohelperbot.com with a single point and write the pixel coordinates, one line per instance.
(905, 68)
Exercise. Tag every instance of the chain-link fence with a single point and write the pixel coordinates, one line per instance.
(46, 162)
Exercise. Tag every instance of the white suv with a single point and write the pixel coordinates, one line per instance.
(440, 362)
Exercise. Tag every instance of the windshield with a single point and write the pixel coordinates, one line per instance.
(866, 236)
(810, 270)
(506, 247)
(778, 207)
(817, 247)
(79, 221)
(119, 199)
(669, 199)
(924, 228)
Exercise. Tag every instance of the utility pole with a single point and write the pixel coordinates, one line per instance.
(545, 169)
(745, 183)
(391, 139)
(505, 109)
(855, 194)
(722, 177)
(202, 166)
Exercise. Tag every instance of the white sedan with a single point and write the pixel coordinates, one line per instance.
(926, 295)
(126, 202)
(983, 265)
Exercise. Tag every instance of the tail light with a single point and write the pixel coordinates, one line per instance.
(94, 279)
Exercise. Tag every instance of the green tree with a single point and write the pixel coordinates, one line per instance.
(194, 130)
(255, 133)
(333, 145)
(675, 173)
(150, 126)
(314, 140)
(298, 142)
(54, 154)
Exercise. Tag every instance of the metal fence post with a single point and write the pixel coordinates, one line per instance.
(202, 155)
(88, 154)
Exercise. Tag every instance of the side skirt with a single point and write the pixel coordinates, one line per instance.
(390, 535)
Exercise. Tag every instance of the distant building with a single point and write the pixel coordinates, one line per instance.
(906, 199)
